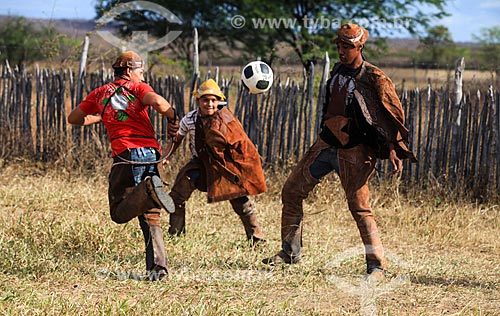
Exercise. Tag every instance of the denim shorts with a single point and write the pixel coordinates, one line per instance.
(144, 154)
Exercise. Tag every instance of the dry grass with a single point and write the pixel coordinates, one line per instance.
(420, 78)
(62, 254)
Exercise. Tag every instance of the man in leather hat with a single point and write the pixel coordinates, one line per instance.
(362, 120)
(225, 162)
(135, 188)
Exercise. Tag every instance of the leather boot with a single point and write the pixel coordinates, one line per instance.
(187, 180)
(156, 257)
(375, 259)
(177, 220)
(244, 208)
(161, 198)
(291, 237)
(291, 245)
(252, 229)
(297, 187)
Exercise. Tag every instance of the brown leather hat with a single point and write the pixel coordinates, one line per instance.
(351, 34)
(128, 59)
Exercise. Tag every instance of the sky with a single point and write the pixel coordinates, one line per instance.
(467, 16)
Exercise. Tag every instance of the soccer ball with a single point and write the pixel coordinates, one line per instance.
(257, 76)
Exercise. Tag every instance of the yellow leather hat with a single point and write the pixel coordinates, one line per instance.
(209, 87)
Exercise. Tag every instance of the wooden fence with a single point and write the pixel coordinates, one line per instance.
(453, 133)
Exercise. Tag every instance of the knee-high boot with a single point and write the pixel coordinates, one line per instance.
(296, 189)
(244, 208)
(187, 180)
(156, 256)
(368, 230)
(177, 219)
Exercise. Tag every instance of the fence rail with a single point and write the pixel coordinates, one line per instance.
(455, 138)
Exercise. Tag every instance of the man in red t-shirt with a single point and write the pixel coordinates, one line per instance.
(135, 187)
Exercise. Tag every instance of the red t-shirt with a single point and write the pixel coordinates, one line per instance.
(125, 116)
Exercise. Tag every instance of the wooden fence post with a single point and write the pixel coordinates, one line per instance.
(82, 71)
(76, 131)
(321, 94)
(493, 131)
(456, 116)
(196, 69)
(496, 104)
(310, 126)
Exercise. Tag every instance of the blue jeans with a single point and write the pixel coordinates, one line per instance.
(326, 162)
(144, 154)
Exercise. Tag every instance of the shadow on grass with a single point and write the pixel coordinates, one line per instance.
(436, 280)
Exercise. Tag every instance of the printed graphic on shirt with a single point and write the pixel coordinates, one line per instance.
(120, 101)
(342, 81)
(121, 116)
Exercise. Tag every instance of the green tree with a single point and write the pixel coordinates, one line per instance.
(18, 41)
(437, 46)
(22, 43)
(490, 50)
(308, 26)
(203, 15)
(55, 46)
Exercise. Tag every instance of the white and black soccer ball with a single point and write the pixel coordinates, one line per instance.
(257, 76)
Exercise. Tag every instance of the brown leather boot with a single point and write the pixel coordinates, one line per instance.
(375, 259)
(375, 277)
(291, 238)
(244, 208)
(177, 219)
(252, 229)
(156, 257)
(281, 258)
(161, 198)
(296, 188)
(291, 235)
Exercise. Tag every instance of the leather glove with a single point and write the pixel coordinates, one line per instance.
(172, 126)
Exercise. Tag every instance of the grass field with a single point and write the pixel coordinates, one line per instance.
(62, 255)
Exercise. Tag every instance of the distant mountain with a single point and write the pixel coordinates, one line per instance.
(69, 26)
